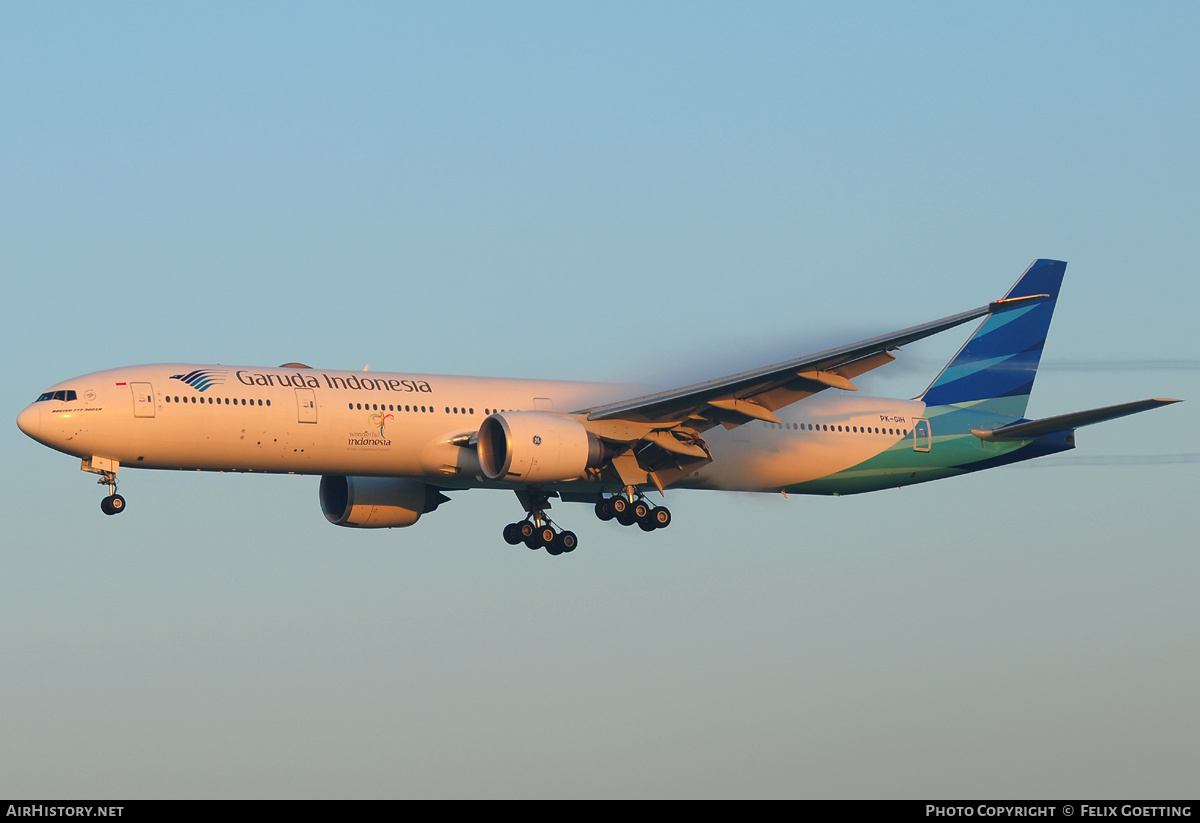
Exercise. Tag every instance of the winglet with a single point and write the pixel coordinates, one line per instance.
(1006, 303)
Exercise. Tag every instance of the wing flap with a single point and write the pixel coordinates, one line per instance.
(745, 408)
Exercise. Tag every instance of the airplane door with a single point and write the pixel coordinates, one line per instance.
(922, 435)
(143, 399)
(306, 405)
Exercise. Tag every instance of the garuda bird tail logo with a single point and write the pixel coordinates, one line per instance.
(201, 379)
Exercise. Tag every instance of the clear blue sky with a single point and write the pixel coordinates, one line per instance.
(615, 192)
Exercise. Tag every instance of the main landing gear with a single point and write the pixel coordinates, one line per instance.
(627, 511)
(538, 536)
(537, 531)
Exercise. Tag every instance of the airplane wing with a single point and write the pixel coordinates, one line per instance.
(756, 394)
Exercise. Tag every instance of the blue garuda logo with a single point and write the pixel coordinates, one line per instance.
(201, 379)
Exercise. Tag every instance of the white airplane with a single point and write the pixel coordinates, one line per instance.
(389, 446)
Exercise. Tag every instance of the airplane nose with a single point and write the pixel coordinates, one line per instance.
(30, 420)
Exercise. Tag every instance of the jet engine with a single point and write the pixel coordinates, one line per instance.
(376, 502)
(536, 447)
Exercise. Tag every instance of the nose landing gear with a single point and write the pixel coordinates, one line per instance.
(107, 469)
(114, 503)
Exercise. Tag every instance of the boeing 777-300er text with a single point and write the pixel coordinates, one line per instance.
(389, 447)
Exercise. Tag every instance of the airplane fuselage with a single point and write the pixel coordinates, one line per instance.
(323, 422)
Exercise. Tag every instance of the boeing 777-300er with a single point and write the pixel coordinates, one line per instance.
(389, 447)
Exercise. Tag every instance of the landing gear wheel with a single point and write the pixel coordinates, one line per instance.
(619, 505)
(661, 517)
(568, 541)
(641, 510)
(512, 534)
(626, 518)
(113, 504)
(646, 525)
(529, 534)
(604, 509)
(554, 547)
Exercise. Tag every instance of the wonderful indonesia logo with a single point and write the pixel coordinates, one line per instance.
(370, 438)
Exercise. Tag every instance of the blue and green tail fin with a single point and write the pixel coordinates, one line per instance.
(996, 367)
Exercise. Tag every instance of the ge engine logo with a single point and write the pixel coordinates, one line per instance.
(537, 440)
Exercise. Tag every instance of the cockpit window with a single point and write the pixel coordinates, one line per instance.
(61, 394)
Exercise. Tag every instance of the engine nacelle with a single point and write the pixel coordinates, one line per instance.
(376, 502)
(536, 447)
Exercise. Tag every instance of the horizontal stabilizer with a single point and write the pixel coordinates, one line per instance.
(1064, 422)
